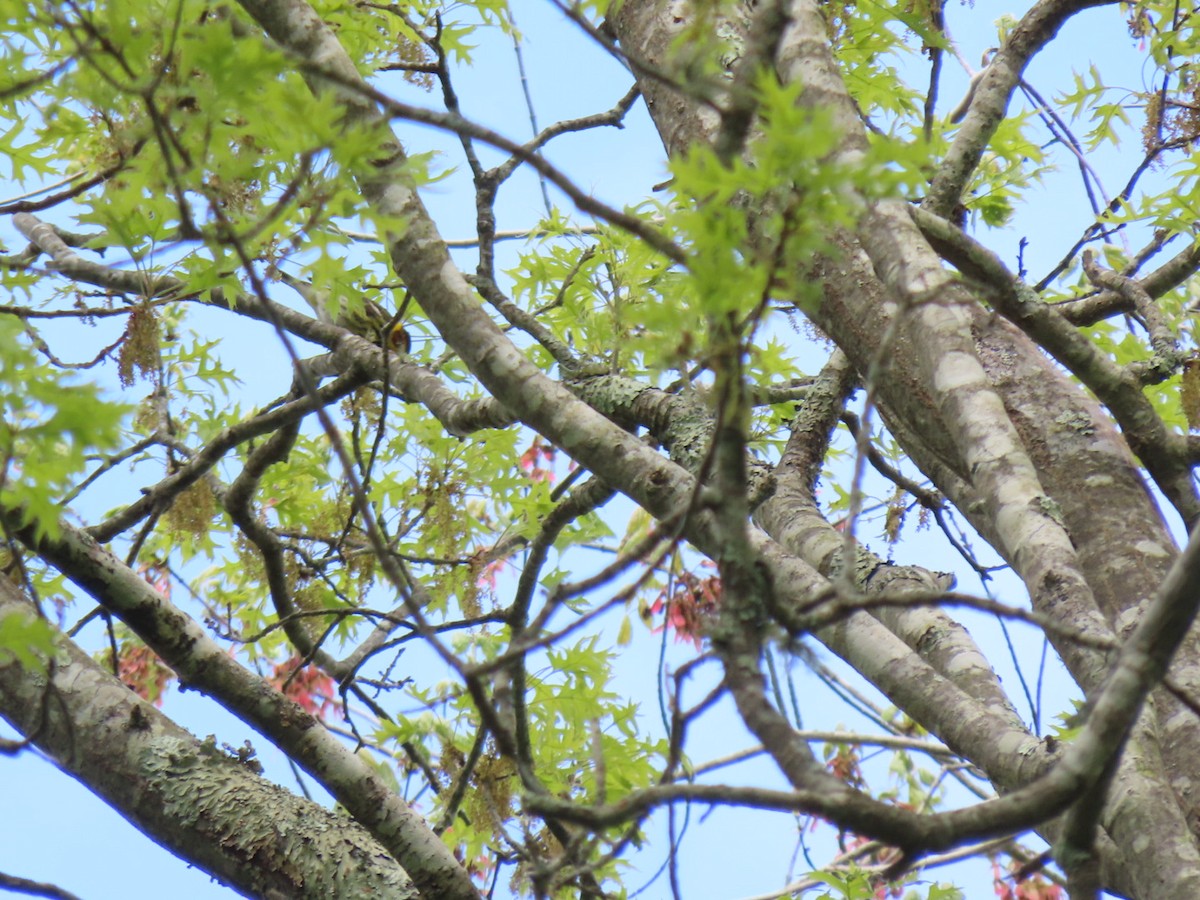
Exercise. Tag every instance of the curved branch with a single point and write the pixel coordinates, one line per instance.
(1003, 75)
(148, 768)
(201, 663)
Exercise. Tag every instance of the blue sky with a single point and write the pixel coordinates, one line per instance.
(53, 829)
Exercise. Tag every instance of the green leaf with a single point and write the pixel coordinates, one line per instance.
(50, 422)
(26, 639)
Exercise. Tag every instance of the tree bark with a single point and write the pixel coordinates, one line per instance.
(188, 795)
(1114, 547)
(201, 663)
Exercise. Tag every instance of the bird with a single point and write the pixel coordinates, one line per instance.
(359, 315)
(369, 320)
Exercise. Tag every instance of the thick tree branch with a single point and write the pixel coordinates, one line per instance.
(1163, 453)
(188, 795)
(1077, 446)
(991, 96)
(201, 663)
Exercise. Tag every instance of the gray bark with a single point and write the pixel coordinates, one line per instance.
(1035, 463)
(1113, 548)
(187, 794)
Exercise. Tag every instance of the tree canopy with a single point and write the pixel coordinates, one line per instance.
(484, 532)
